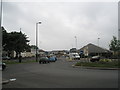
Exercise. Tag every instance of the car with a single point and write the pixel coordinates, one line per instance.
(2, 66)
(95, 58)
(52, 59)
(5, 58)
(44, 60)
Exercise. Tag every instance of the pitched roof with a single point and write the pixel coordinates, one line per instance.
(95, 49)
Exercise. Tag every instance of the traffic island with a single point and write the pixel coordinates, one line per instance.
(98, 65)
(99, 68)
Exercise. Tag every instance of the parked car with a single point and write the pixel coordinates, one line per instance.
(44, 60)
(95, 58)
(2, 66)
(5, 58)
(52, 59)
(74, 56)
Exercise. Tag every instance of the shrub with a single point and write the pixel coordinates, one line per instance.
(105, 60)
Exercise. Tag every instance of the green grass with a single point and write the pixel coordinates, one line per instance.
(17, 62)
(114, 64)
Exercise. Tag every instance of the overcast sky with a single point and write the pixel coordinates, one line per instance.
(62, 21)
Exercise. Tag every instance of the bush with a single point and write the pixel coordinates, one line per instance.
(101, 63)
(78, 64)
(105, 60)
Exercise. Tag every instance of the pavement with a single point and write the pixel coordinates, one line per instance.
(59, 74)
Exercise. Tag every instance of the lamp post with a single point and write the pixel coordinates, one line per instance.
(98, 46)
(0, 32)
(1, 14)
(118, 34)
(37, 40)
(98, 41)
(76, 41)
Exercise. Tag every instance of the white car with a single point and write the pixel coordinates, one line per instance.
(74, 56)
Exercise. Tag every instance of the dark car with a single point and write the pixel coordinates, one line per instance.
(95, 58)
(44, 60)
(3, 66)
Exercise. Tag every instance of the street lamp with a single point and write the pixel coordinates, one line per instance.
(76, 41)
(98, 46)
(119, 34)
(98, 41)
(37, 40)
(1, 32)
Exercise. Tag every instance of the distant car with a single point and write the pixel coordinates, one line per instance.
(52, 59)
(2, 66)
(5, 58)
(95, 58)
(44, 60)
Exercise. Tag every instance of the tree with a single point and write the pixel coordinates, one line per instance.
(115, 45)
(15, 41)
(20, 41)
(4, 37)
(34, 46)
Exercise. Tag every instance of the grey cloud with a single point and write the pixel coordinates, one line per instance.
(62, 21)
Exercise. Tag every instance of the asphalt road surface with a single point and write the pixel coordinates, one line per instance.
(59, 74)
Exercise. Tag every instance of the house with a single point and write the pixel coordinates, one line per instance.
(39, 52)
(92, 50)
(59, 53)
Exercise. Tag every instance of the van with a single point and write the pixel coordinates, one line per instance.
(74, 56)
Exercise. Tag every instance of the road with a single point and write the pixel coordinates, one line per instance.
(60, 74)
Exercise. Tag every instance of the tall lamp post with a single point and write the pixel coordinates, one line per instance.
(98, 46)
(37, 40)
(98, 41)
(76, 41)
(119, 34)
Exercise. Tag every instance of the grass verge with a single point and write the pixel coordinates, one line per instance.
(17, 62)
(114, 64)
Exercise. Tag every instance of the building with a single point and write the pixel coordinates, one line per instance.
(92, 50)
(73, 50)
(59, 53)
